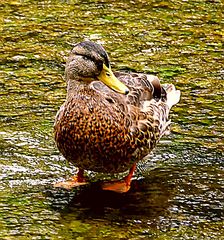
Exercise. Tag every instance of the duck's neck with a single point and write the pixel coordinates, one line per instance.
(75, 87)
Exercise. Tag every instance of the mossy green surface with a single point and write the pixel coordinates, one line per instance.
(178, 192)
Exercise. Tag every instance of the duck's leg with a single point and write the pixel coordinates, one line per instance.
(120, 186)
(72, 182)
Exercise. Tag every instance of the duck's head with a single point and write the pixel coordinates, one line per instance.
(89, 62)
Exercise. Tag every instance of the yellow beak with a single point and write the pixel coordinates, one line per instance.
(107, 77)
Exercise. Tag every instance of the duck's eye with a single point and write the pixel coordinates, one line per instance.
(108, 74)
(85, 58)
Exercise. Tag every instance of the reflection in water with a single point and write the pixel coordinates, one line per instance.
(178, 194)
(144, 200)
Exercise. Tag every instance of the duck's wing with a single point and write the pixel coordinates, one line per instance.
(149, 102)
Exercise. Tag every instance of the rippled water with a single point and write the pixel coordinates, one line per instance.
(178, 192)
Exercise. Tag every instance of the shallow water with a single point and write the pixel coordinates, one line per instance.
(178, 192)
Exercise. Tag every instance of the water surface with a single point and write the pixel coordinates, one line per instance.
(178, 192)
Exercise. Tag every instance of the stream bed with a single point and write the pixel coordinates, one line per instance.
(178, 193)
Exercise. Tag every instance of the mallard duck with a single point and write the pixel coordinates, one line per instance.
(109, 121)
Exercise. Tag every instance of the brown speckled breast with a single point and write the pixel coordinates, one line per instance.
(96, 136)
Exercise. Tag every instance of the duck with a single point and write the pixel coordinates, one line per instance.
(110, 120)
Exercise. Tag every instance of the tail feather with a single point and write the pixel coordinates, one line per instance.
(173, 95)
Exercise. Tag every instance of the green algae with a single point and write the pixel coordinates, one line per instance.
(181, 42)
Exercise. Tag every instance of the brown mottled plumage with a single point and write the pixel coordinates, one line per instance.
(107, 130)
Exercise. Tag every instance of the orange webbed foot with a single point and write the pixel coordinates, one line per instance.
(120, 186)
(116, 186)
(72, 182)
